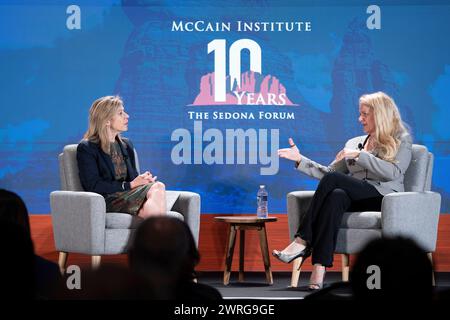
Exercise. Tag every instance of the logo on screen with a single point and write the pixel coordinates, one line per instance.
(236, 88)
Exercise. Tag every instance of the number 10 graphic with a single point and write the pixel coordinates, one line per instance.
(218, 46)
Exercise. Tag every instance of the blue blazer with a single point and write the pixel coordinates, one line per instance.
(96, 169)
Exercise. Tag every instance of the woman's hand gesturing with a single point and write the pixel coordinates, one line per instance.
(347, 154)
(291, 153)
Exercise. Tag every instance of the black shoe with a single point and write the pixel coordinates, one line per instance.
(288, 258)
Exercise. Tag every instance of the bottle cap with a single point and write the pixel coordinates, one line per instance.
(261, 186)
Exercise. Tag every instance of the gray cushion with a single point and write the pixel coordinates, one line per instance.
(69, 159)
(351, 241)
(361, 220)
(175, 214)
(118, 241)
(416, 175)
(117, 220)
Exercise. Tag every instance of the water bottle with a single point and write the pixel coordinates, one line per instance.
(261, 197)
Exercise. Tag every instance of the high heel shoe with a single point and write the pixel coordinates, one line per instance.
(317, 286)
(288, 258)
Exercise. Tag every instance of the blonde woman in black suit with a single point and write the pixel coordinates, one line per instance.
(365, 170)
(106, 164)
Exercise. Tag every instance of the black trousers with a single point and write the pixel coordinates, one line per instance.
(336, 193)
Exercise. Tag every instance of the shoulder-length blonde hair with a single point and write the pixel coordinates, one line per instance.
(389, 126)
(102, 110)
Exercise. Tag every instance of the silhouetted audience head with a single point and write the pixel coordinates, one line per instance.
(14, 216)
(392, 269)
(165, 253)
(17, 268)
(13, 209)
(164, 243)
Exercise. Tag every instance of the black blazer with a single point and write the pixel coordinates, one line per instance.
(96, 169)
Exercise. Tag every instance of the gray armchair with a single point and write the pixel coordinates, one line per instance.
(413, 213)
(81, 224)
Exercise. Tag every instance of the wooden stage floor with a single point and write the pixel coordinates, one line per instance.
(212, 241)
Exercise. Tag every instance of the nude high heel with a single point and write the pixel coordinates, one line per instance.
(317, 286)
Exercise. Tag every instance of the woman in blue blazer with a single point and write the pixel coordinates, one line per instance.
(368, 168)
(106, 163)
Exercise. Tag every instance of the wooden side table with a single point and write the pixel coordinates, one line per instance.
(243, 223)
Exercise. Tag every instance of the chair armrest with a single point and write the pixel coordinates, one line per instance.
(188, 204)
(79, 220)
(412, 214)
(298, 203)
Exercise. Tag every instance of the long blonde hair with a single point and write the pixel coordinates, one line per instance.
(389, 126)
(102, 110)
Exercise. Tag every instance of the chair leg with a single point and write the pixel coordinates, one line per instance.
(430, 256)
(265, 252)
(241, 254)
(95, 262)
(229, 254)
(62, 259)
(345, 267)
(296, 269)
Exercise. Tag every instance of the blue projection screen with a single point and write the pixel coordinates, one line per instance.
(300, 67)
